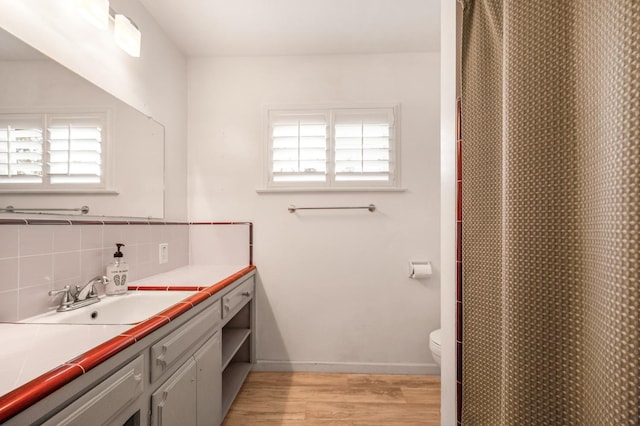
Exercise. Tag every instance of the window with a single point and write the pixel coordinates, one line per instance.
(52, 151)
(333, 147)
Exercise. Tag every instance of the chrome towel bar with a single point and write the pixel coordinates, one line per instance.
(370, 207)
(11, 209)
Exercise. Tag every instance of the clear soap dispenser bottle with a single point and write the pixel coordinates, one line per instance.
(117, 272)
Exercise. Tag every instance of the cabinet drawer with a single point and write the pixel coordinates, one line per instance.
(107, 399)
(170, 349)
(237, 298)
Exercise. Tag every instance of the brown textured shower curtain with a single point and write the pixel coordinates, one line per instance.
(551, 183)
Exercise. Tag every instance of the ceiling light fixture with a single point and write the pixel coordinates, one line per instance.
(125, 32)
(96, 12)
(127, 35)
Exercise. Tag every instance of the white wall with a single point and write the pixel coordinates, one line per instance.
(155, 83)
(333, 291)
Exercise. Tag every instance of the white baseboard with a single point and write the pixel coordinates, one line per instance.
(345, 367)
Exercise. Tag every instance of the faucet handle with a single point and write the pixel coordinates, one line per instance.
(67, 299)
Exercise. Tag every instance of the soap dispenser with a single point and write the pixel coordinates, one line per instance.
(117, 272)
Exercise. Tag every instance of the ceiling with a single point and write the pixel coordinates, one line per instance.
(298, 27)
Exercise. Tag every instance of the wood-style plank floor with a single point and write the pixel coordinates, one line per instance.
(304, 399)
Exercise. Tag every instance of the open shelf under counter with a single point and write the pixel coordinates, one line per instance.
(232, 379)
(232, 340)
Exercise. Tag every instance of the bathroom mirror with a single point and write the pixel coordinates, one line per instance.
(130, 153)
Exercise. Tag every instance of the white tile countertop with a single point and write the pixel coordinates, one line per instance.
(30, 350)
(190, 275)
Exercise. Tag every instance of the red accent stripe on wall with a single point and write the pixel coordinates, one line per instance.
(459, 260)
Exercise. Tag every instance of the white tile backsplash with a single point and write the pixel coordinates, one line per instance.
(36, 270)
(91, 237)
(66, 238)
(67, 266)
(35, 258)
(9, 306)
(36, 240)
(35, 300)
(10, 237)
(10, 273)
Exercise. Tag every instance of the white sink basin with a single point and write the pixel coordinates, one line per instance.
(130, 308)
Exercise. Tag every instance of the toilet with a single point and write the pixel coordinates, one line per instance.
(434, 345)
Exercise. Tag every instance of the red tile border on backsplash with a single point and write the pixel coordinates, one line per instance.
(459, 266)
(459, 159)
(13, 221)
(28, 394)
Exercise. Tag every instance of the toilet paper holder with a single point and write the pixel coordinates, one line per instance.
(419, 269)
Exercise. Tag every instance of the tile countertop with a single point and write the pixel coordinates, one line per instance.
(23, 346)
(33, 363)
(191, 277)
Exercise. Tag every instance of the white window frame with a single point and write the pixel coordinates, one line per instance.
(45, 118)
(331, 184)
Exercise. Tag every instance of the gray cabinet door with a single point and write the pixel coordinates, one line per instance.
(108, 401)
(209, 399)
(174, 403)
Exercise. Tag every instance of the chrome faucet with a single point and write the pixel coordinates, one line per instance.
(88, 291)
(83, 296)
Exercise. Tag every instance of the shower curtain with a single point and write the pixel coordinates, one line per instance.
(550, 212)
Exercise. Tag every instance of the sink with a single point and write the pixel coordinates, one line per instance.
(129, 308)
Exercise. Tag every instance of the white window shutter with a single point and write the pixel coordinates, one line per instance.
(75, 149)
(364, 142)
(21, 149)
(298, 147)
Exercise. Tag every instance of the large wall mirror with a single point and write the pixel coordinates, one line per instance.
(65, 143)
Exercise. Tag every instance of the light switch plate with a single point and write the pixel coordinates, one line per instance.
(163, 253)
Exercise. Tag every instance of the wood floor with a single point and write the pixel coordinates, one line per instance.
(304, 399)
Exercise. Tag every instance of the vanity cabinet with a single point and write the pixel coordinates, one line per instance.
(187, 372)
(110, 402)
(191, 396)
(174, 403)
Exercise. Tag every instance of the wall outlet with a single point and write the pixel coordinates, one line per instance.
(163, 253)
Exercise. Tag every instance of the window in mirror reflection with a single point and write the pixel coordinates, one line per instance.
(52, 150)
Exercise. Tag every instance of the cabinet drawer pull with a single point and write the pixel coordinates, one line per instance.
(246, 293)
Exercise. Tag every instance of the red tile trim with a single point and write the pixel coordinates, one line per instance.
(459, 361)
(458, 281)
(459, 159)
(86, 222)
(459, 118)
(250, 243)
(199, 297)
(102, 352)
(146, 327)
(166, 288)
(459, 240)
(219, 223)
(154, 288)
(13, 221)
(224, 283)
(459, 293)
(172, 312)
(28, 394)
